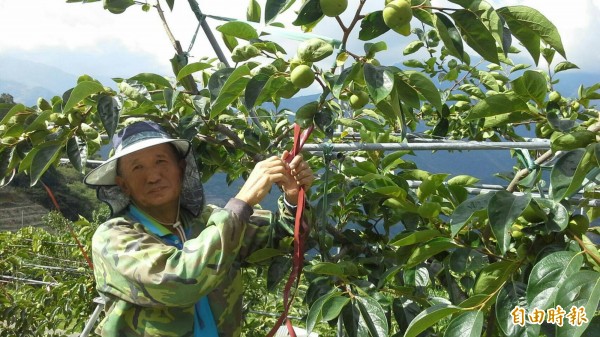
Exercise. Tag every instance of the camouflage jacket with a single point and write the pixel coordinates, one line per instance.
(150, 288)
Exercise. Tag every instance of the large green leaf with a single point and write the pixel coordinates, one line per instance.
(274, 8)
(423, 85)
(372, 316)
(525, 21)
(466, 210)
(380, 81)
(254, 88)
(429, 317)
(548, 275)
(43, 156)
(11, 113)
(511, 296)
(532, 85)
(239, 29)
(81, 91)
(582, 289)
(315, 313)
(476, 34)
(310, 12)
(155, 79)
(77, 154)
(504, 209)
(230, 90)
(191, 68)
(569, 172)
(497, 105)
(253, 12)
(411, 238)
(493, 277)
(450, 35)
(429, 249)
(372, 26)
(108, 110)
(468, 324)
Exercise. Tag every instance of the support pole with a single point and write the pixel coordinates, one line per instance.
(206, 28)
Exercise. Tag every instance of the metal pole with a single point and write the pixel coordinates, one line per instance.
(458, 145)
(92, 321)
(211, 38)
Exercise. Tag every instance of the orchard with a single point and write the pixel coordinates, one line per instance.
(394, 250)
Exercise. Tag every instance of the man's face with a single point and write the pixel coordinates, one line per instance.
(152, 177)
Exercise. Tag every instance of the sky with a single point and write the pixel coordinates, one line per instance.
(85, 39)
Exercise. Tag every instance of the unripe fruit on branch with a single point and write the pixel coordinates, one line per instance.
(359, 99)
(397, 13)
(333, 8)
(554, 96)
(302, 76)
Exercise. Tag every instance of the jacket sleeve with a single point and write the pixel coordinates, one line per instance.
(266, 229)
(138, 268)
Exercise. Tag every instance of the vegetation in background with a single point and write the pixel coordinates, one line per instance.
(397, 251)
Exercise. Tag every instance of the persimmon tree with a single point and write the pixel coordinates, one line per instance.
(395, 250)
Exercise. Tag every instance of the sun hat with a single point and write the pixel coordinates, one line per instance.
(135, 137)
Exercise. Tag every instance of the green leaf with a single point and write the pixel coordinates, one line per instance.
(108, 110)
(462, 180)
(511, 296)
(373, 48)
(413, 47)
(531, 85)
(430, 248)
(373, 315)
(315, 314)
(423, 85)
(497, 105)
(569, 172)
(77, 154)
(565, 65)
(525, 21)
(12, 112)
(43, 156)
(450, 35)
(327, 268)
(372, 26)
(274, 8)
(333, 307)
(263, 254)
(191, 68)
(468, 324)
(253, 11)
(411, 238)
(476, 34)
(429, 317)
(314, 50)
(493, 276)
(81, 91)
(254, 88)
(230, 90)
(239, 29)
(379, 80)
(466, 210)
(504, 209)
(582, 289)
(310, 12)
(548, 275)
(155, 79)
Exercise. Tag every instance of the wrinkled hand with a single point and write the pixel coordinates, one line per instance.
(299, 174)
(275, 170)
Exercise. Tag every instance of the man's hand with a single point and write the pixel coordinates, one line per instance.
(275, 170)
(300, 174)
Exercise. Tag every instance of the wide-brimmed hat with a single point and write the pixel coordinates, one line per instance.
(135, 137)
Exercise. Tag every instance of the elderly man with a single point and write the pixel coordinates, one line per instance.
(166, 264)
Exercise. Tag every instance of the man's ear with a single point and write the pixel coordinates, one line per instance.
(121, 183)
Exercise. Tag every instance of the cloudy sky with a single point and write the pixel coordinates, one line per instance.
(84, 38)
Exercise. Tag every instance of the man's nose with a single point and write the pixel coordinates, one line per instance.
(153, 174)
